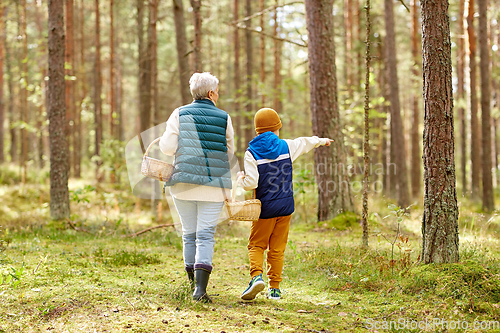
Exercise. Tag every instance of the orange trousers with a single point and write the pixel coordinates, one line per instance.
(273, 234)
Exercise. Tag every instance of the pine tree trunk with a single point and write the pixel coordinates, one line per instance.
(348, 48)
(144, 73)
(181, 40)
(98, 87)
(277, 105)
(263, 53)
(474, 124)
(440, 220)
(488, 201)
(112, 86)
(41, 116)
(70, 91)
(23, 65)
(415, 137)
(334, 193)
(12, 118)
(461, 96)
(237, 93)
(59, 195)
(2, 103)
(83, 90)
(249, 77)
(398, 153)
(196, 4)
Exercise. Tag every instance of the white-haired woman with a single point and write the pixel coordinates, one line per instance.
(201, 137)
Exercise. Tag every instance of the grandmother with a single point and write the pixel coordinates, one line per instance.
(201, 137)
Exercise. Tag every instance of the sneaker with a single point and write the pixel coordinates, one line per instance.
(254, 287)
(274, 293)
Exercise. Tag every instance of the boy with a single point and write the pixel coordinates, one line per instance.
(268, 170)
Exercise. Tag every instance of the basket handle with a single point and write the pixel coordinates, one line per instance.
(150, 145)
(235, 185)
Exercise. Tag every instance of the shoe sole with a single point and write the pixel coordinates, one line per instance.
(275, 298)
(254, 291)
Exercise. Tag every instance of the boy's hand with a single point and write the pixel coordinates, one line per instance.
(328, 142)
(240, 174)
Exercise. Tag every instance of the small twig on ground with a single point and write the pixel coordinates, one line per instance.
(72, 224)
(152, 228)
(130, 303)
(39, 264)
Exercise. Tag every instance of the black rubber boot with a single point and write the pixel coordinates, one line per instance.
(190, 275)
(201, 277)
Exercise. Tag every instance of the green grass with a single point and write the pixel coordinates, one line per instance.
(57, 279)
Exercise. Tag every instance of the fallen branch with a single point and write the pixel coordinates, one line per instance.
(72, 224)
(152, 228)
(244, 27)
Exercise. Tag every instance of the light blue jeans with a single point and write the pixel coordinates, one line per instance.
(199, 221)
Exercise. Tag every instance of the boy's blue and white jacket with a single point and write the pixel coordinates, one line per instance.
(268, 170)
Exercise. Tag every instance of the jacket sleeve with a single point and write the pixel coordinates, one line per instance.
(170, 139)
(230, 136)
(303, 145)
(251, 179)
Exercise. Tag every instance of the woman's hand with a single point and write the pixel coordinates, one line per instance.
(240, 174)
(328, 142)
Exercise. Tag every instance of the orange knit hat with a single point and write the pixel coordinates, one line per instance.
(267, 120)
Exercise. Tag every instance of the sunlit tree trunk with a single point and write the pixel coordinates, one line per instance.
(249, 76)
(488, 201)
(474, 124)
(398, 153)
(83, 90)
(70, 91)
(461, 95)
(181, 42)
(98, 87)
(42, 61)
(112, 86)
(415, 137)
(333, 185)
(59, 194)
(2, 103)
(23, 65)
(237, 92)
(196, 4)
(144, 73)
(277, 104)
(440, 220)
(348, 43)
(10, 86)
(262, 54)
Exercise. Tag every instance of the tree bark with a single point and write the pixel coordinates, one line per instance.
(23, 66)
(98, 87)
(249, 79)
(277, 104)
(144, 73)
(112, 86)
(41, 116)
(59, 194)
(262, 54)
(488, 201)
(196, 4)
(475, 135)
(334, 193)
(440, 220)
(461, 95)
(237, 96)
(70, 84)
(348, 48)
(83, 88)
(416, 175)
(366, 141)
(181, 41)
(2, 103)
(398, 153)
(12, 117)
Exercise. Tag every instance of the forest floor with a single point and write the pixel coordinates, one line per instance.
(95, 279)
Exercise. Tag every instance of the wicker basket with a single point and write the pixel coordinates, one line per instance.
(156, 169)
(248, 210)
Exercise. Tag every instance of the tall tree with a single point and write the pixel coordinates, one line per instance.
(440, 220)
(249, 76)
(2, 104)
(144, 72)
(196, 4)
(415, 137)
(333, 185)
(83, 89)
(181, 42)
(474, 124)
(348, 46)
(277, 104)
(41, 116)
(484, 67)
(239, 115)
(23, 65)
(112, 87)
(398, 153)
(98, 86)
(263, 52)
(10, 86)
(59, 194)
(461, 95)
(70, 85)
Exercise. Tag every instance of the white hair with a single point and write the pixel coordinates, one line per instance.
(200, 84)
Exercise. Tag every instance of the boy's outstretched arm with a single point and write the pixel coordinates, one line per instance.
(303, 145)
(251, 179)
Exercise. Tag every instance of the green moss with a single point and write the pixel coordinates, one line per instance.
(344, 221)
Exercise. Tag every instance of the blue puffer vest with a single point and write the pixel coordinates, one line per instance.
(275, 187)
(201, 157)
